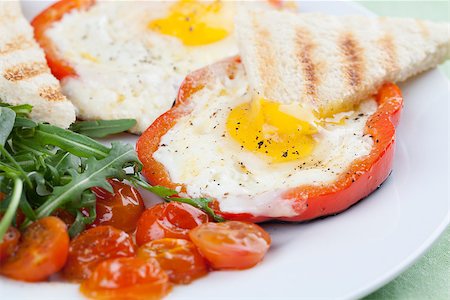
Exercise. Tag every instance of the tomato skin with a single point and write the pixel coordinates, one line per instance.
(120, 209)
(9, 243)
(127, 278)
(44, 21)
(179, 258)
(232, 244)
(42, 251)
(92, 247)
(65, 216)
(168, 220)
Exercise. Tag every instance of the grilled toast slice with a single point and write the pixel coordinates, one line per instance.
(24, 75)
(330, 63)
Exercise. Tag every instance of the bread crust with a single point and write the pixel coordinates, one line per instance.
(25, 77)
(330, 63)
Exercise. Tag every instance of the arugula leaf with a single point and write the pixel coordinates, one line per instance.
(7, 118)
(10, 171)
(158, 190)
(41, 188)
(72, 142)
(87, 201)
(24, 122)
(95, 174)
(62, 162)
(171, 195)
(102, 128)
(29, 146)
(14, 165)
(21, 110)
(13, 204)
(26, 208)
(81, 221)
(200, 203)
(26, 163)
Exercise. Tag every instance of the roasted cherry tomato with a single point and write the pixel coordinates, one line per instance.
(42, 251)
(127, 278)
(65, 216)
(9, 243)
(231, 245)
(12, 235)
(179, 258)
(120, 209)
(93, 246)
(168, 220)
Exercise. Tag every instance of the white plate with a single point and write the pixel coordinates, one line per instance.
(352, 254)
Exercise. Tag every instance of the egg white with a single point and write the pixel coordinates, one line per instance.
(199, 153)
(126, 70)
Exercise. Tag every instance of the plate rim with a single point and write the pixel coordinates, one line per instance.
(407, 262)
(418, 253)
(426, 245)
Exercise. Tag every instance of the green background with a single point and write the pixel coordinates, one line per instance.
(429, 277)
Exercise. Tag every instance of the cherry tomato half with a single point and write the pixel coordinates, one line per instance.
(9, 243)
(42, 251)
(127, 278)
(231, 245)
(65, 216)
(168, 220)
(93, 246)
(120, 209)
(179, 258)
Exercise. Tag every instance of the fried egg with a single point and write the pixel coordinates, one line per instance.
(130, 57)
(247, 152)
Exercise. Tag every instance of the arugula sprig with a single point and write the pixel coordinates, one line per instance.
(94, 173)
(172, 195)
(44, 168)
(102, 128)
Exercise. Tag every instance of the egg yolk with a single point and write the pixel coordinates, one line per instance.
(263, 127)
(195, 22)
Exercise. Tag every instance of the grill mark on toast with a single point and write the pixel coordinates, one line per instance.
(305, 47)
(387, 45)
(51, 93)
(25, 71)
(353, 66)
(266, 63)
(18, 43)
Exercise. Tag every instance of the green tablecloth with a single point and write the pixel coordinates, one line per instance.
(429, 277)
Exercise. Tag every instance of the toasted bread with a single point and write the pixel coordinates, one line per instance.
(24, 75)
(331, 63)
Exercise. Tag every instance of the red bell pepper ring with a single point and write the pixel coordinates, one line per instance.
(59, 67)
(362, 177)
